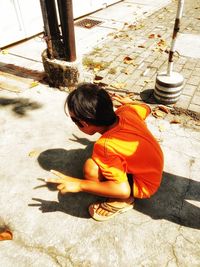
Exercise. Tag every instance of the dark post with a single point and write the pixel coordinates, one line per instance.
(67, 27)
(52, 34)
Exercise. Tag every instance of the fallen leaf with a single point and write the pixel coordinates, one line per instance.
(34, 153)
(88, 25)
(164, 108)
(119, 85)
(112, 71)
(6, 234)
(4, 52)
(162, 42)
(135, 26)
(141, 46)
(131, 95)
(148, 81)
(34, 83)
(157, 113)
(98, 78)
(93, 65)
(175, 121)
(151, 36)
(96, 69)
(128, 60)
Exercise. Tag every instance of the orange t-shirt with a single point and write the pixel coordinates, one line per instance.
(129, 147)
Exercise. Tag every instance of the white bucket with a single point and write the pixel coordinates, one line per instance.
(168, 88)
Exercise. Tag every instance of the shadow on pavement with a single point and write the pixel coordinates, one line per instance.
(148, 97)
(23, 72)
(171, 202)
(70, 163)
(20, 106)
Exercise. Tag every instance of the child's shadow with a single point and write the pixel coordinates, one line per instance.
(169, 203)
(69, 163)
(173, 201)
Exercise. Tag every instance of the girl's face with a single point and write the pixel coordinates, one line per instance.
(83, 126)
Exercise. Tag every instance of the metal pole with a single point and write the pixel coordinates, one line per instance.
(52, 34)
(67, 26)
(174, 36)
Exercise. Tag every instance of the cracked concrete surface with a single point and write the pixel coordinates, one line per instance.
(51, 230)
(54, 230)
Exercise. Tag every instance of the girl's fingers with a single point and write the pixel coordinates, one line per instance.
(60, 186)
(53, 180)
(59, 174)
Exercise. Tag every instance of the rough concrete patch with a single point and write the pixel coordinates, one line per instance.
(179, 111)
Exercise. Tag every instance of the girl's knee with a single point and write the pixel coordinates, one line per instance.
(91, 170)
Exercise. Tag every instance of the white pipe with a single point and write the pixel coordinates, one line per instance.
(172, 49)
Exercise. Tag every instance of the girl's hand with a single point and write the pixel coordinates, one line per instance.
(65, 183)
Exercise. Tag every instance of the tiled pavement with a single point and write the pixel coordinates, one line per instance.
(130, 59)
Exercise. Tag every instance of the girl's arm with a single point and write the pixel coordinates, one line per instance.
(105, 188)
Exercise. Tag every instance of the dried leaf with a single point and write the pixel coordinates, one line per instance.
(119, 85)
(115, 36)
(98, 78)
(4, 52)
(158, 114)
(96, 69)
(151, 36)
(141, 46)
(162, 42)
(128, 60)
(135, 26)
(164, 108)
(34, 83)
(175, 121)
(88, 25)
(148, 81)
(6, 234)
(34, 153)
(112, 71)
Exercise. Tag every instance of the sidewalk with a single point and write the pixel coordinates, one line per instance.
(52, 230)
(145, 45)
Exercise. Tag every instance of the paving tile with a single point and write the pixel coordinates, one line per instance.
(195, 100)
(189, 89)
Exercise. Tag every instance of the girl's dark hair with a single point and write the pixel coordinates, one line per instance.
(92, 104)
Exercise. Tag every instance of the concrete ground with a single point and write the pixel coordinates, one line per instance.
(52, 230)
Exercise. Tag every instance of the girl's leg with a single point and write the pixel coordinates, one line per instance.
(91, 172)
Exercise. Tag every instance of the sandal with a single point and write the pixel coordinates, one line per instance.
(108, 208)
